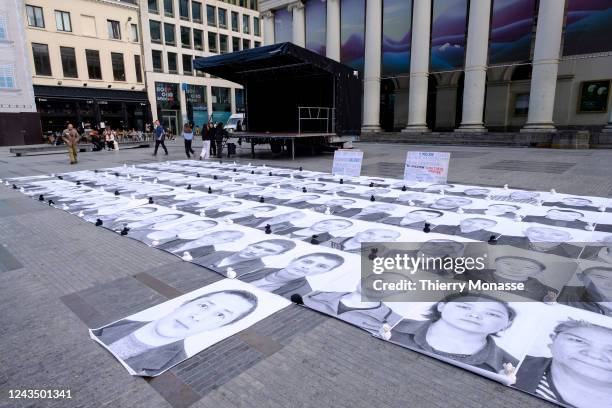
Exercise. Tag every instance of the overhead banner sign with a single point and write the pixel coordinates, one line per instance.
(429, 167)
(347, 163)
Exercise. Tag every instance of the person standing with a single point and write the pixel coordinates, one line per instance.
(188, 138)
(71, 137)
(160, 136)
(209, 134)
(220, 133)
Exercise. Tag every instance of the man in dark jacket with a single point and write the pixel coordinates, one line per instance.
(160, 137)
(220, 134)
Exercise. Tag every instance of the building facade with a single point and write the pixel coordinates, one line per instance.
(87, 63)
(459, 65)
(19, 122)
(177, 31)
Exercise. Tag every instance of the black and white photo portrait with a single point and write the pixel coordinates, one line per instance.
(152, 341)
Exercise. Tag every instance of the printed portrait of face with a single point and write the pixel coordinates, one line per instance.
(208, 312)
(201, 201)
(442, 248)
(406, 197)
(585, 352)
(375, 192)
(484, 317)
(501, 209)
(544, 235)
(334, 224)
(211, 238)
(307, 265)
(438, 187)
(340, 189)
(314, 186)
(517, 268)
(265, 248)
(368, 292)
(419, 216)
(379, 207)
(476, 192)
(563, 215)
(576, 201)
(377, 235)
(450, 203)
(286, 217)
(598, 282)
(137, 213)
(524, 195)
(155, 222)
(468, 225)
(342, 202)
(224, 205)
(305, 198)
(249, 190)
(186, 230)
(228, 188)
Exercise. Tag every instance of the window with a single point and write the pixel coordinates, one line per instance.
(186, 37)
(169, 34)
(222, 18)
(212, 42)
(157, 61)
(153, 7)
(256, 26)
(235, 44)
(196, 11)
(210, 16)
(187, 65)
(184, 9)
(69, 65)
(7, 77)
(42, 65)
(521, 104)
(134, 28)
(246, 44)
(114, 30)
(172, 67)
(138, 68)
(169, 8)
(234, 21)
(246, 27)
(223, 43)
(257, 44)
(94, 68)
(155, 31)
(198, 42)
(35, 16)
(62, 21)
(118, 66)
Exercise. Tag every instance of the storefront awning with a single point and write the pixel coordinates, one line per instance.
(69, 92)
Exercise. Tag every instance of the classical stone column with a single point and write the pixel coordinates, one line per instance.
(476, 67)
(268, 27)
(419, 67)
(299, 30)
(332, 33)
(545, 66)
(371, 74)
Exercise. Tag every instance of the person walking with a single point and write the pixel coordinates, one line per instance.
(71, 137)
(188, 138)
(220, 133)
(160, 136)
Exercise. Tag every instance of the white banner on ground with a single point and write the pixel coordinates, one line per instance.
(205, 154)
(429, 167)
(347, 162)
